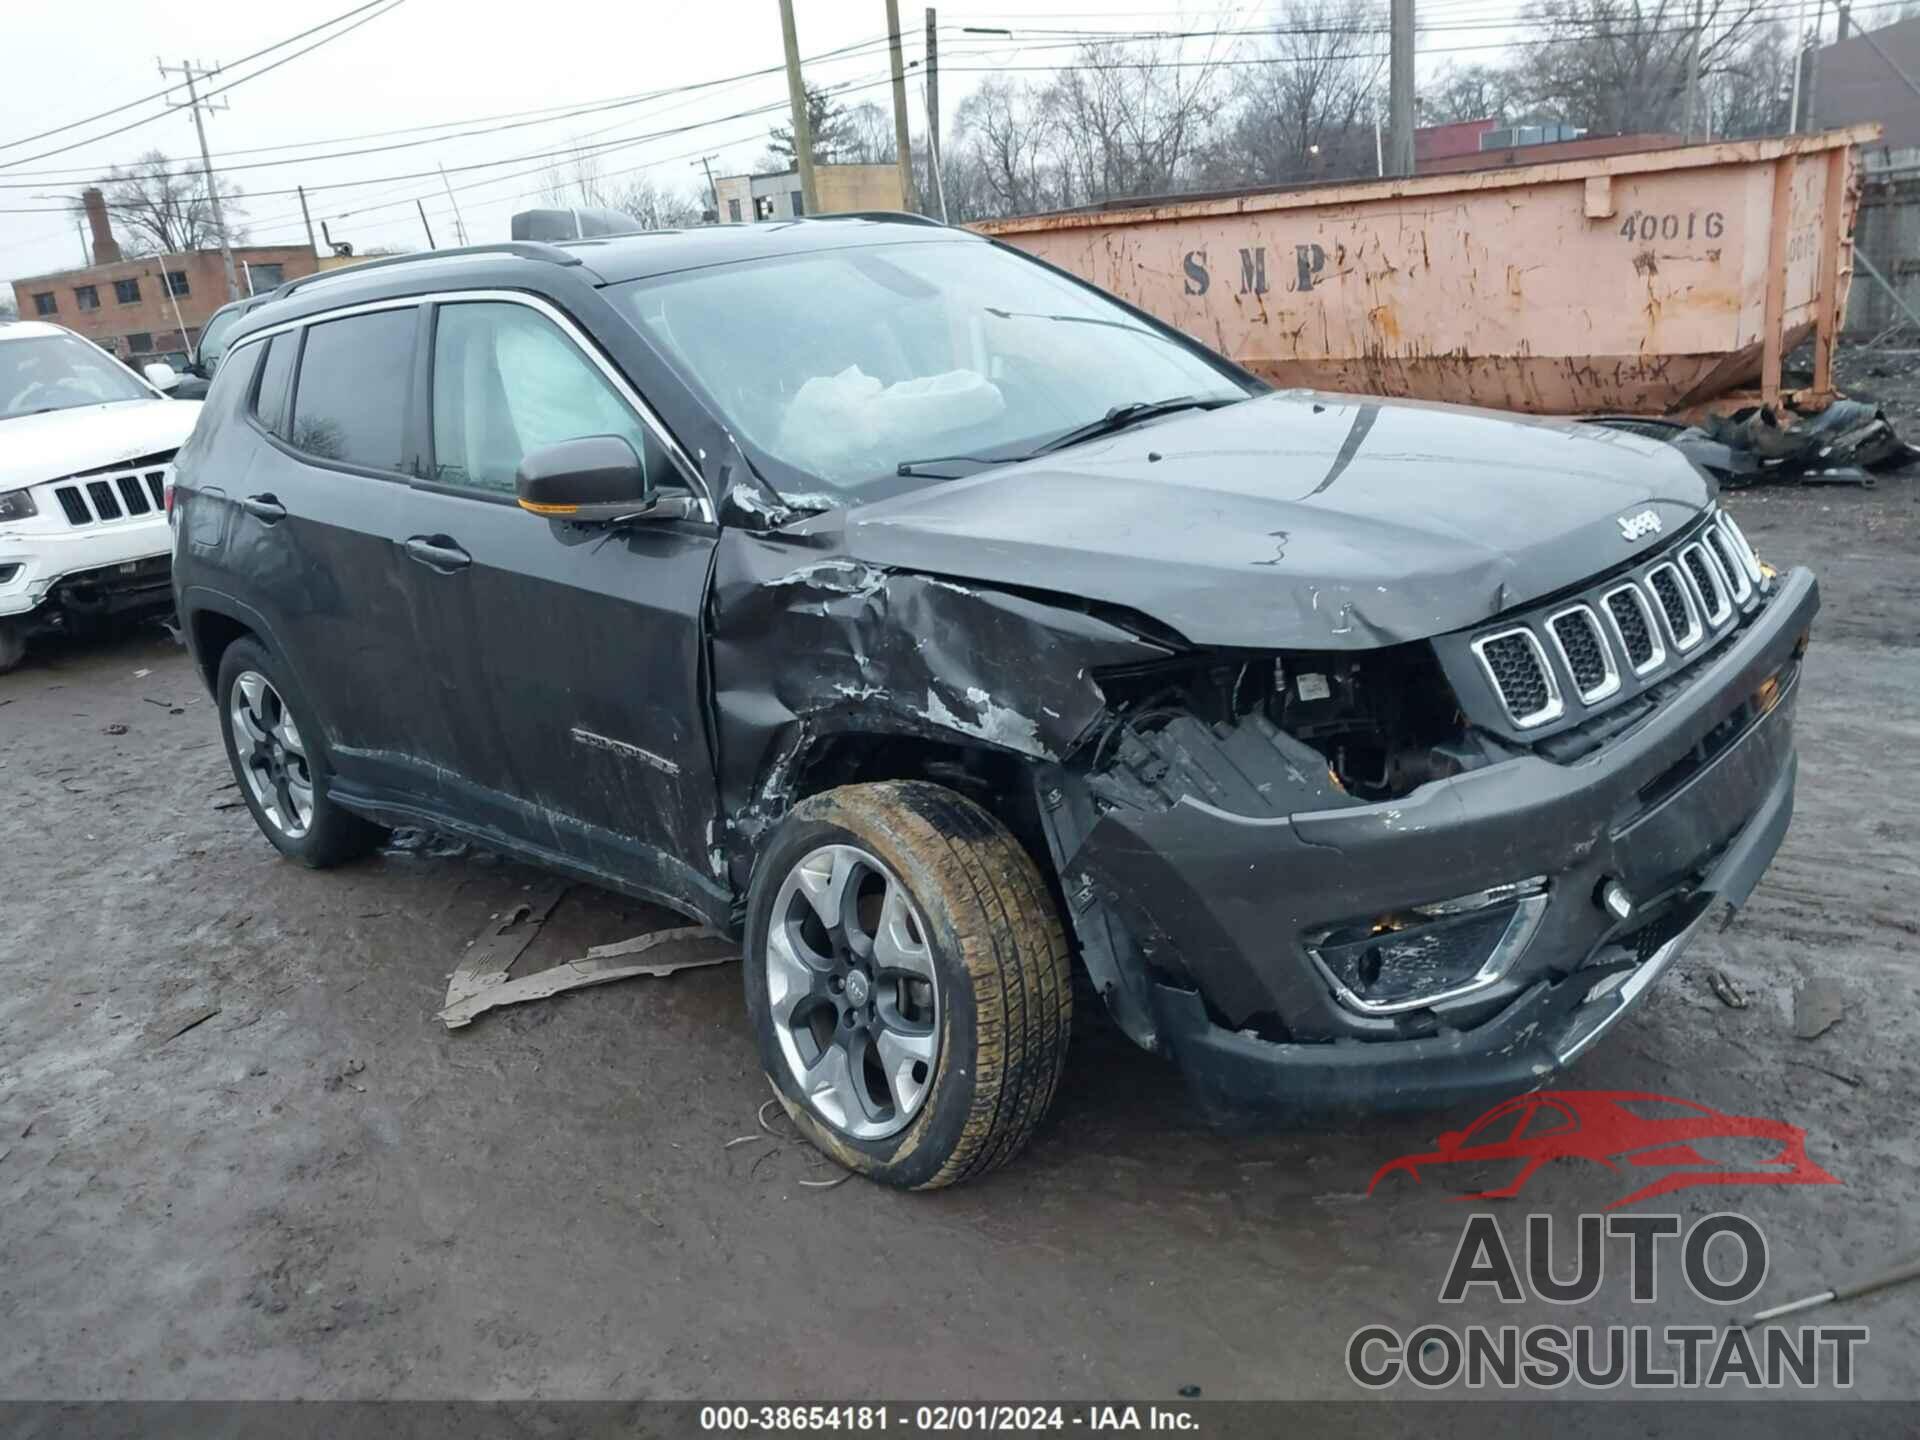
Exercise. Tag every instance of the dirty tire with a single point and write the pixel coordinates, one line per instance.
(1000, 957)
(333, 836)
(13, 644)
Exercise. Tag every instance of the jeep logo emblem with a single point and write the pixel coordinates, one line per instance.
(1632, 527)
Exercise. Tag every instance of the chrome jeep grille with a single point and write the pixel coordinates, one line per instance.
(117, 492)
(1518, 668)
(1584, 651)
(1714, 591)
(1630, 634)
(1676, 605)
(1635, 628)
(1721, 545)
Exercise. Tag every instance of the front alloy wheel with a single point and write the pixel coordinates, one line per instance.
(851, 987)
(273, 760)
(908, 982)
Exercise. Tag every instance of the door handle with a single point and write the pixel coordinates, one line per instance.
(437, 552)
(264, 508)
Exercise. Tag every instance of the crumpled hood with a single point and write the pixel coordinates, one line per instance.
(34, 448)
(1301, 520)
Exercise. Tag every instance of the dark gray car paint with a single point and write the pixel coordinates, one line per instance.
(640, 706)
(1261, 525)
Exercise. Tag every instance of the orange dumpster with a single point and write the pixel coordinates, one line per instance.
(1647, 283)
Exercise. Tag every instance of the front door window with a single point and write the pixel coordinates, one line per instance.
(507, 380)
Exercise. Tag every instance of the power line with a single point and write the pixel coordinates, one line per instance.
(591, 108)
(160, 94)
(390, 7)
(586, 152)
(596, 151)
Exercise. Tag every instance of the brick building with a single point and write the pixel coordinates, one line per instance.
(124, 305)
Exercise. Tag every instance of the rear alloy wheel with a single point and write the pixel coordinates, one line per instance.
(281, 763)
(273, 758)
(908, 982)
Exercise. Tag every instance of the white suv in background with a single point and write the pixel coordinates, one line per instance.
(85, 447)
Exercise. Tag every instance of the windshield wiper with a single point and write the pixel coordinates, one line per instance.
(1115, 420)
(919, 468)
(1120, 417)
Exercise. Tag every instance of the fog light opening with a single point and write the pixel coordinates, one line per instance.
(1429, 953)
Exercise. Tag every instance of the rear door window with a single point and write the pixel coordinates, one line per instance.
(350, 401)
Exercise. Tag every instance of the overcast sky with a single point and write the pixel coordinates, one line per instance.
(429, 62)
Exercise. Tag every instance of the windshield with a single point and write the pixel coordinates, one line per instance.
(846, 364)
(58, 372)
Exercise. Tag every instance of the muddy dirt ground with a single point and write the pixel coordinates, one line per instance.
(318, 1191)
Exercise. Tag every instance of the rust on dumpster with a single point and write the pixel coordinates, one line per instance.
(1648, 283)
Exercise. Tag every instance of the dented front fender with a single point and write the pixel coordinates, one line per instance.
(807, 643)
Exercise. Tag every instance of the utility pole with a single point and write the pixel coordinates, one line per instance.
(301, 190)
(1843, 23)
(933, 112)
(425, 226)
(1693, 75)
(797, 97)
(1813, 67)
(196, 104)
(705, 162)
(902, 145)
(1400, 91)
(459, 224)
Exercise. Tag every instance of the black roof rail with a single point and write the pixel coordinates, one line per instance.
(525, 249)
(903, 217)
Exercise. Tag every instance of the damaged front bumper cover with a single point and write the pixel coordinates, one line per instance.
(1683, 814)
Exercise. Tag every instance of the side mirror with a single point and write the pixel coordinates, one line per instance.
(161, 375)
(597, 477)
(1451, 1140)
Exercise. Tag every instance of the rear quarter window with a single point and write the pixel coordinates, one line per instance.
(350, 397)
(270, 398)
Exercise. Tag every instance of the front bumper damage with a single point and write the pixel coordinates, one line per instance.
(1684, 813)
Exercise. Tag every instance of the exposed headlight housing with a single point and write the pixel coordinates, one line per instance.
(17, 505)
(1431, 953)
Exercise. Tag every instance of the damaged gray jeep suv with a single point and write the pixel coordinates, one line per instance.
(947, 630)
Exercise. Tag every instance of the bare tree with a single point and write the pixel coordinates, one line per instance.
(579, 180)
(1752, 93)
(658, 207)
(158, 208)
(1003, 132)
(1308, 114)
(867, 136)
(1128, 120)
(1620, 66)
(1467, 92)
